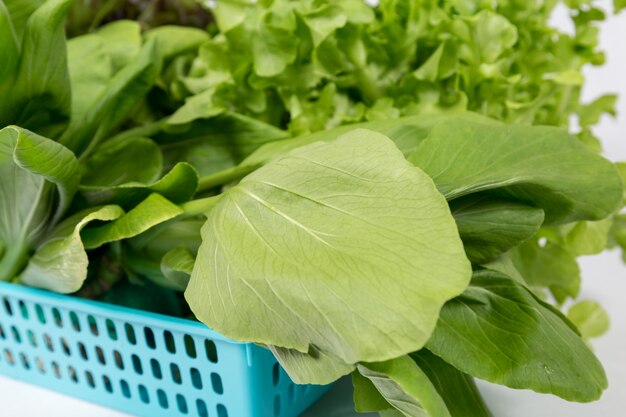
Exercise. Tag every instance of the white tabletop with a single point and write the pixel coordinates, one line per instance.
(604, 280)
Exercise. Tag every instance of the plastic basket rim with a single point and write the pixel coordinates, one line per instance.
(114, 311)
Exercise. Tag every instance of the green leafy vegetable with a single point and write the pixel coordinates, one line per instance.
(34, 82)
(39, 179)
(499, 331)
(335, 209)
(150, 212)
(552, 170)
(457, 389)
(320, 178)
(406, 387)
(120, 95)
(60, 263)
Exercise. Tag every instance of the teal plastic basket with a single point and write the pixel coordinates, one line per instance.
(140, 363)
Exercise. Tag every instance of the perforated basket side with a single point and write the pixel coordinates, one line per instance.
(140, 363)
(275, 393)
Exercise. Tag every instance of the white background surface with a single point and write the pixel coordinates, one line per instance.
(604, 279)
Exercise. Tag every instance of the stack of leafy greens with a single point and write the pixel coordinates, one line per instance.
(415, 250)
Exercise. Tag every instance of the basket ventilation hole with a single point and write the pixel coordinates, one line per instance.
(93, 325)
(216, 383)
(7, 306)
(202, 410)
(137, 364)
(2, 336)
(291, 394)
(190, 346)
(31, 338)
(66, 347)
(25, 362)
(56, 369)
(277, 406)
(211, 351)
(143, 394)
(23, 310)
(90, 380)
(169, 341)
(196, 379)
(176, 376)
(149, 334)
(83, 351)
(41, 316)
(74, 321)
(16, 334)
(156, 369)
(125, 388)
(47, 340)
(275, 374)
(111, 330)
(56, 316)
(9, 356)
(100, 355)
(107, 384)
(130, 334)
(221, 411)
(40, 365)
(119, 362)
(72, 372)
(182, 404)
(162, 398)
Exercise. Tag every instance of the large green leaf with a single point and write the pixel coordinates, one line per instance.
(37, 93)
(39, 179)
(541, 166)
(490, 226)
(499, 331)
(60, 263)
(406, 387)
(377, 253)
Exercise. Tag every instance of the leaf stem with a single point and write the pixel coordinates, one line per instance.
(14, 259)
(233, 174)
(199, 206)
